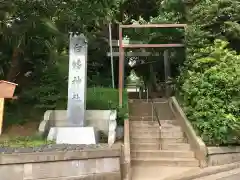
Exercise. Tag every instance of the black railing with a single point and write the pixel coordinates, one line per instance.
(155, 112)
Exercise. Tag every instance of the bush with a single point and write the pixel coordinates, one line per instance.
(48, 90)
(107, 98)
(211, 94)
(38, 99)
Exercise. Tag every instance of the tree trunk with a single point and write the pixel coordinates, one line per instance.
(14, 68)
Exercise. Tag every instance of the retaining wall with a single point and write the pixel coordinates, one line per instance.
(87, 164)
(223, 155)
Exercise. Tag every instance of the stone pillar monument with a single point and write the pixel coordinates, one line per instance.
(77, 80)
(75, 131)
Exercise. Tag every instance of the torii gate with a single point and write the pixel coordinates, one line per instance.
(123, 46)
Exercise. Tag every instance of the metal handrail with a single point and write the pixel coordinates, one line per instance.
(156, 113)
(159, 123)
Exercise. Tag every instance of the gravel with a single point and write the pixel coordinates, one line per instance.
(50, 148)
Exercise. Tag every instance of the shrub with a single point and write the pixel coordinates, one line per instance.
(41, 98)
(107, 98)
(211, 94)
(48, 90)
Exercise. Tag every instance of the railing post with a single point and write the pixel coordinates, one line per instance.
(152, 112)
(147, 93)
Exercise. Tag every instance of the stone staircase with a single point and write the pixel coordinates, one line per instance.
(154, 147)
(168, 147)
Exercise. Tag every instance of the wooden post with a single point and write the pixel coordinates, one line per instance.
(1, 113)
(167, 72)
(6, 91)
(121, 67)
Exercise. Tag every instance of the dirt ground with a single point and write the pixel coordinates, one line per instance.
(28, 129)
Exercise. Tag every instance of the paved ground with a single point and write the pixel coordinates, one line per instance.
(224, 172)
(232, 177)
(157, 172)
(228, 175)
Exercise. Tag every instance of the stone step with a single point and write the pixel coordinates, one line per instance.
(144, 127)
(147, 130)
(187, 162)
(144, 146)
(171, 134)
(163, 102)
(156, 140)
(141, 127)
(161, 154)
(156, 129)
(157, 146)
(149, 119)
(146, 109)
(161, 134)
(140, 109)
(155, 100)
(174, 146)
(164, 123)
(144, 130)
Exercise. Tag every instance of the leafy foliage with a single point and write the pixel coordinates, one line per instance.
(209, 78)
(210, 75)
(211, 94)
(107, 98)
(34, 35)
(34, 50)
(210, 20)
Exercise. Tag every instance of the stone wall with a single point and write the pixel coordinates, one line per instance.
(223, 155)
(196, 143)
(87, 164)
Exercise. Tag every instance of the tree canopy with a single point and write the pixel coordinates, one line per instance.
(34, 53)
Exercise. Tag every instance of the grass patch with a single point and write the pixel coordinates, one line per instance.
(28, 141)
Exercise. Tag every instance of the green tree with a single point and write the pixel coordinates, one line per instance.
(211, 94)
(209, 79)
(34, 46)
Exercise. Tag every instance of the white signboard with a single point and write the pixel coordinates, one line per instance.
(77, 80)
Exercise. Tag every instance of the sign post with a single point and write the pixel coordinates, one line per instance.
(1, 113)
(6, 91)
(77, 80)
